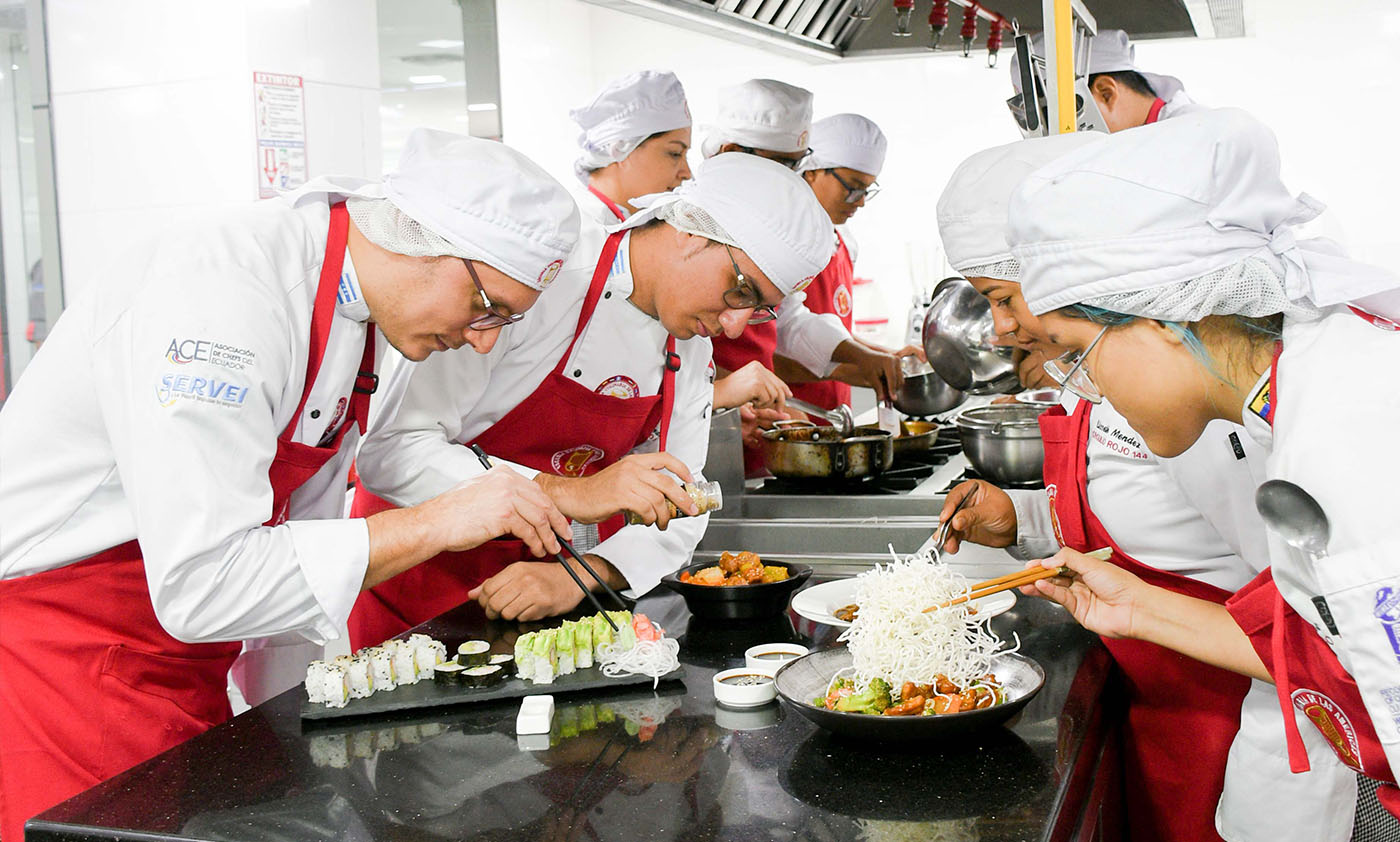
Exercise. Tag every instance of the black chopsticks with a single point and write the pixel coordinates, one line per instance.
(486, 463)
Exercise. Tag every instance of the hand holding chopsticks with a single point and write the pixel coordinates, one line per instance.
(588, 592)
(1018, 579)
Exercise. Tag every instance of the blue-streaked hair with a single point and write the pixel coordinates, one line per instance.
(1270, 327)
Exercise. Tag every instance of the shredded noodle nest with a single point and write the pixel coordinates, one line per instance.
(652, 658)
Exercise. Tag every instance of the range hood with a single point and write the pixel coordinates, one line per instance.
(832, 29)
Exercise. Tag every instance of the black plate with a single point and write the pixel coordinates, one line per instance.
(802, 680)
(740, 602)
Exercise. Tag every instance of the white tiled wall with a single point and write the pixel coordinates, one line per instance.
(153, 112)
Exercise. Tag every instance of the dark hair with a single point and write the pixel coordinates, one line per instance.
(1130, 79)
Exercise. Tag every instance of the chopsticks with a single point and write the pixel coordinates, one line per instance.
(486, 463)
(1018, 579)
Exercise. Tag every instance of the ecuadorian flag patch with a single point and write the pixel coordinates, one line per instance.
(1261, 404)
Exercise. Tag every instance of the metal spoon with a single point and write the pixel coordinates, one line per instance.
(840, 417)
(1294, 516)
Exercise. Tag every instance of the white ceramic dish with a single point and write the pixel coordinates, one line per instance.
(819, 601)
(770, 656)
(763, 691)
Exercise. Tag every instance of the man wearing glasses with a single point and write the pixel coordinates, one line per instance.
(601, 393)
(175, 458)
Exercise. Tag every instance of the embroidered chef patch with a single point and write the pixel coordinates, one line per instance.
(183, 351)
(1260, 403)
(574, 461)
(841, 301)
(1329, 718)
(547, 273)
(1387, 611)
(619, 386)
(173, 388)
(804, 283)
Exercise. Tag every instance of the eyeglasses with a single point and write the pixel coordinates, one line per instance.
(854, 193)
(492, 318)
(745, 296)
(1070, 372)
(788, 161)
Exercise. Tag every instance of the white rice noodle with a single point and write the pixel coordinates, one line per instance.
(652, 658)
(892, 638)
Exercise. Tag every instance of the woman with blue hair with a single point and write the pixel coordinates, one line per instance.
(1167, 260)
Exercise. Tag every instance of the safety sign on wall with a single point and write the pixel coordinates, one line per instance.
(279, 103)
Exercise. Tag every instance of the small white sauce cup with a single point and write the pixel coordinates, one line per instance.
(745, 695)
(770, 656)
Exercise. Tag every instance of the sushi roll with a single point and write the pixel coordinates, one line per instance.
(473, 653)
(487, 676)
(505, 661)
(602, 635)
(360, 674)
(626, 637)
(564, 647)
(525, 655)
(405, 664)
(427, 653)
(381, 662)
(546, 658)
(449, 673)
(583, 643)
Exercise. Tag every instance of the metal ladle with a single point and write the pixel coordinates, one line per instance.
(1294, 516)
(840, 417)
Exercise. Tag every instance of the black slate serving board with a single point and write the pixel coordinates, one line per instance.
(429, 694)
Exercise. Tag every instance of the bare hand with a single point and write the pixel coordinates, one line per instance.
(633, 483)
(752, 423)
(533, 590)
(988, 518)
(752, 384)
(498, 502)
(1103, 597)
(911, 351)
(875, 369)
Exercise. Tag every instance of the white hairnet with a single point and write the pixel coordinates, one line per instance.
(626, 112)
(756, 205)
(846, 140)
(972, 208)
(761, 114)
(1173, 213)
(1109, 52)
(480, 200)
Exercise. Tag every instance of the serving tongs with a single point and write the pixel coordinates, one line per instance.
(486, 463)
(841, 417)
(1018, 579)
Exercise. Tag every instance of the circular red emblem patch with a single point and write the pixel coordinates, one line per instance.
(619, 386)
(1332, 721)
(574, 461)
(841, 301)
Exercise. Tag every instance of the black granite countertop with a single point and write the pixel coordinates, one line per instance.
(633, 765)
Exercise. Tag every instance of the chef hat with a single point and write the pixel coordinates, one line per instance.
(475, 199)
(626, 112)
(972, 209)
(753, 204)
(761, 114)
(1178, 220)
(1109, 52)
(846, 140)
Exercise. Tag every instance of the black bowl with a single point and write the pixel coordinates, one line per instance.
(739, 602)
(803, 679)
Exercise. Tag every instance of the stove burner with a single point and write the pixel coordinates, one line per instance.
(904, 475)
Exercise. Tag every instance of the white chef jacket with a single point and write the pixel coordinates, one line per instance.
(456, 396)
(98, 449)
(1338, 410)
(591, 207)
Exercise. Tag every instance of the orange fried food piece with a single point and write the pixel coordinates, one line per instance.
(773, 573)
(944, 686)
(909, 707)
(708, 576)
(728, 562)
(947, 704)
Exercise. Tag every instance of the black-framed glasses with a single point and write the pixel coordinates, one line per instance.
(492, 318)
(854, 192)
(745, 296)
(789, 161)
(1070, 372)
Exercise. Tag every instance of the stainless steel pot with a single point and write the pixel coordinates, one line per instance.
(959, 337)
(798, 450)
(914, 436)
(926, 394)
(1002, 441)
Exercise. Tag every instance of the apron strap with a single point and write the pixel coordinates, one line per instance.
(668, 389)
(1155, 112)
(1273, 384)
(612, 206)
(366, 383)
(1297, 752)
(324, 311)
(595, 292)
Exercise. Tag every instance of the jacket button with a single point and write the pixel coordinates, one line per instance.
(608, 294)
(315, 413)
(578, 372)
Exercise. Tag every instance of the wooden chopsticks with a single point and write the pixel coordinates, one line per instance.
(1018, 579)
(486, 463)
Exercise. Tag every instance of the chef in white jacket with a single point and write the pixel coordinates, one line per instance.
(175, 459)
(615, 360)
(1187, 523)
(1124, 95)
(633, 141)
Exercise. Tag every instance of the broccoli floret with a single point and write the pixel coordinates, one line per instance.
(873, 699)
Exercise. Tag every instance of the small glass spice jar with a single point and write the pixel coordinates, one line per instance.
(706, 496)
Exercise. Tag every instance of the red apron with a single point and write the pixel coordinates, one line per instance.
(91, 690)
(830, 292)
(611, 205)
(563, 428)
(1182, 714)
(1306, 671)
